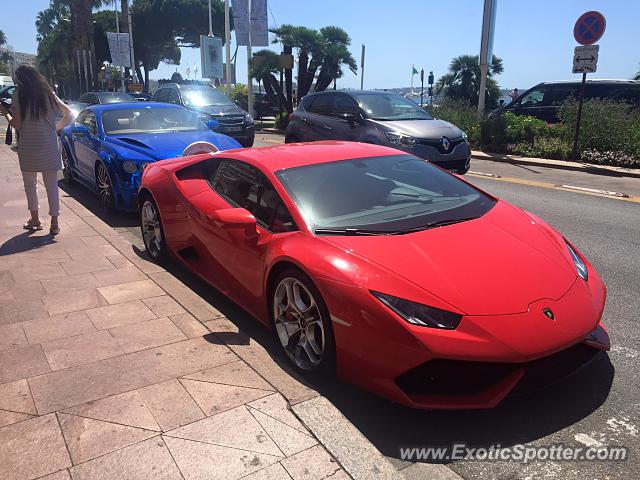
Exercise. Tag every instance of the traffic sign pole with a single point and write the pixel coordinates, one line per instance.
(579, 116)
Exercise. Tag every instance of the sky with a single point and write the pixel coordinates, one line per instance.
(533, 38)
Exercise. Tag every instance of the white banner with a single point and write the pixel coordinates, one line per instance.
(119, 48)
(259, 24)
(211, 57)
(241, 21)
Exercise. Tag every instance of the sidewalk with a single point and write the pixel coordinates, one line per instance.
(104, 375)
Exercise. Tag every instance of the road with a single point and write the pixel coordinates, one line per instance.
(600, 404)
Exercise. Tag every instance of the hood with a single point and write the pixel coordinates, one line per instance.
(159, 146)
(222, 110)
(422, 128)
(493, 265)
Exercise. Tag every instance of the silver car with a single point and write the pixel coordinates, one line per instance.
(382, 118)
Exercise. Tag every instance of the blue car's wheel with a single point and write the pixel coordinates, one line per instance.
(67, 176)
(105, 191)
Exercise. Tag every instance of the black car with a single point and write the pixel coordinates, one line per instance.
(141, 96)
(100, 98)
(211, 103)
(545, 99)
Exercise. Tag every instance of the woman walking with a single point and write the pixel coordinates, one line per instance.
(34, 110)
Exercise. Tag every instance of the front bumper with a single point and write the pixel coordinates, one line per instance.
(457, 161)
(474, 366)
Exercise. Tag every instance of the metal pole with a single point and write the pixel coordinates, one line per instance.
(362, 68)
(115, 4)
(422, 87)
(227, 43)
(79, 71)
(249, 79)
(84, 61)
(210, 21)
(486, 49)
(579, 117)
(134, 73)
(281, 92)
(412, 67)
(484, 70)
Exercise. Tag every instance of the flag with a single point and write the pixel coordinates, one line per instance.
(414, 72)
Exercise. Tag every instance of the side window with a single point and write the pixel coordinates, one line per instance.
(532, 99)
(160, 95)
(85, 98)
(89, 120)
(244, 186)
(342, 104)
(173, 96)
(321, 104)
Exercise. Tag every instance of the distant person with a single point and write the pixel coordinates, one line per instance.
(514, 94)
(501, 102)
(34, 110)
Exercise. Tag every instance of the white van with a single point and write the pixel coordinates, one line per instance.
(5, 81)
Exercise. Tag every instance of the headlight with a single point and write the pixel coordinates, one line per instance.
(400, 138)
(129, 166)
(581, 268)
(248, 119)
(418, 314)
(465, 137)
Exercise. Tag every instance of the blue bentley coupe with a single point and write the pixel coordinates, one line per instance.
(108, 146)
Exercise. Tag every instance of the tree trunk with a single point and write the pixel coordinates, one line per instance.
(303, 63)
(124, 27)
(287, 50)
(146, 75)
(274, 92)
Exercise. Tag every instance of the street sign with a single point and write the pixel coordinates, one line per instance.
(585, 59)
(240, 9)
(119, 49)
(589, 28)
(211, 57)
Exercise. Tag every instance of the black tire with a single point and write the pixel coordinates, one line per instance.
(105, 190)
(156, 248)
(67, 176)
(325, 365)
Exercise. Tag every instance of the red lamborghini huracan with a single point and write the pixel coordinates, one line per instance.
(405, 279)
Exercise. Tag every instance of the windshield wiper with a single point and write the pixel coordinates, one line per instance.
(350, 231)
(427, 226)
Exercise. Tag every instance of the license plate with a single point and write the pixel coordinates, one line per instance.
(232, 129)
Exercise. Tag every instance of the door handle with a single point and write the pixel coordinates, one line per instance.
(327, 127)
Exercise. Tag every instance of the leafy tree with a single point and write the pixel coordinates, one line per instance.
(265, 71)
(637, 77)
(5, 56)
(462, 82)
(176, 77)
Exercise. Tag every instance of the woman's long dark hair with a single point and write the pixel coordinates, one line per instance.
(35, 95)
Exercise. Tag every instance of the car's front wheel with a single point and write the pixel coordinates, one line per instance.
(105, 190)
(67, 176)
(302, 323)
(152, 232)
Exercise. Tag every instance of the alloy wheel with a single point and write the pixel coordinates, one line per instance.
(299, 324)
(151, 231)
(66, 167)
(105, 192)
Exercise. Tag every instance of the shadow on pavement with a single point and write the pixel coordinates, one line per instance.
(25, 242)
(389, 426)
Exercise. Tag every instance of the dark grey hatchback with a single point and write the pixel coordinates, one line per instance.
(382, 118)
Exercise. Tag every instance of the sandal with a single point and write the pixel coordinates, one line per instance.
(54, 230)
(31, 225)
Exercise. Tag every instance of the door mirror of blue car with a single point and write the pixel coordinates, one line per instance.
(80, 129)
(213, 124)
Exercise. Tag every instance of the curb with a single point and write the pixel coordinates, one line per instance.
(557, 164)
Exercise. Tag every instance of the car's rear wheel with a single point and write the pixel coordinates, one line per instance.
(67, 176)
(152, 232)
(105, 190)
(302, 323)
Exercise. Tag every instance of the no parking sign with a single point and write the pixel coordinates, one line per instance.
(589, 28)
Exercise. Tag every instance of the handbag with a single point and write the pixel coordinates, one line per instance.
(8, 138)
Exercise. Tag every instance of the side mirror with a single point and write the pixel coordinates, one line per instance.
(213, 124)
(353, 119)
(236, 218)
(80, 129)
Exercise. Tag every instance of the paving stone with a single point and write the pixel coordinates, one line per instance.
(12, 335)
(111, 316)
(119, 275)
(83, 281)
(236, 373)
(276, 407)
(312, 464)
(191, 301)
(201, 461)
(143, 335)
(128, 408)
(31, 449)
(189, 325)
(61, 475)
(171, 405)
(235, 428)
(56, 304)
(21, 311)
(147, 460)
(38, 272)
(15, 396)
(29, 290)
(273, 472)
(59, 326)
(419, 471)
(7, 418)
(289, 440)
(164, 306)
(88, 438)
(94, 241)
(125, 292)
(216, 397)
(75, 267)
(120, 261)
(81, 384)
(22, 362)
(81, 349)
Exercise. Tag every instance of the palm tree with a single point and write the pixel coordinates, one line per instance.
(462, 82)
(5, 56)
(45, 23)
(265, 71)
(637, 77)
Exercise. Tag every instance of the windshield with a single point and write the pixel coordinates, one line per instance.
(389, 107)
(204, 97)
(143, 120)
(383, 194)
(116, 98)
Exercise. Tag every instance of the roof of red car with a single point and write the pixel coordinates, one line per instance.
(278, 157)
